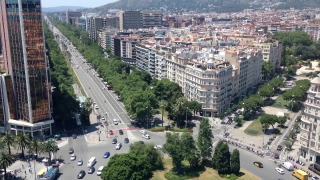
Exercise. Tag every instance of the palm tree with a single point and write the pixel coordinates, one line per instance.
(8, 139)
(180, 104)
(55, 150)
(48, 147)
(162, 105)
(5, 161)
(23, 141)
(35, 145)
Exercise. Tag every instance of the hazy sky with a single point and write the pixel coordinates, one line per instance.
(82, 3)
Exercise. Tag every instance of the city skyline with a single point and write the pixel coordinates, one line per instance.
(82, 3)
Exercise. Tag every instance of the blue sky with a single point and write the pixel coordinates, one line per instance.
(82, 3)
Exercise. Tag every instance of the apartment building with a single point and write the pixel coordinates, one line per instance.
(310, 124)
(82, 23)
(209, 82)
(160, 65)
(94, 25)
(247, 69)
(152, 19)
(128, 49)
(130, 20)
(146, 59)
(105, 37)
(112, 22)
(313, 31)
(71, 15)
(271, 51)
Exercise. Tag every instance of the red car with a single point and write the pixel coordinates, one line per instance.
(110, 132)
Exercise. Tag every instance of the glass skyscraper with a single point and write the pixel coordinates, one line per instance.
(25, 61)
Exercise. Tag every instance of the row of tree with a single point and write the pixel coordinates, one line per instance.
(271, 119)
(24, 143)
(141, 95)
(63, 96)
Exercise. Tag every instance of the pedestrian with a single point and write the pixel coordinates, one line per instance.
(22, 166)
(25, 172)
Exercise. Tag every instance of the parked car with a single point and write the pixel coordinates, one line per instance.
(114, 141)
(73, 157)
(126, 140)
(118, 146)
(91, 170)
(157, 147)
(110, 132)
(120, 132)
(71, 150)
(80, 162)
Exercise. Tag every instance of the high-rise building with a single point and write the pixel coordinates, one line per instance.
(152, 19)
(130, 20)
(26, 89)
(70, 15)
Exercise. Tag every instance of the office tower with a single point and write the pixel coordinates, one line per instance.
(130, 20)
(25, 63)
(152, 19)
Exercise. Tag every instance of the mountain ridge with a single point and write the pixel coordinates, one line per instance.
(61, 8)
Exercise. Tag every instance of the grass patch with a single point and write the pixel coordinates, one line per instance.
(255, 128)
(201, 174)
(280, 102)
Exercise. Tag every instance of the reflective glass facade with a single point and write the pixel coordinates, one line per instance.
(25, 58)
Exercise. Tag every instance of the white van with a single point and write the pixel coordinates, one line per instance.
(115, 121)
(91, 162)
(99, 172)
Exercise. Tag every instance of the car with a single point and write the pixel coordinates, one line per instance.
(102, 118)
(279, 148)
(118, 146)
(71, 150)
(276, 156)
(314, 178)
(146, 136)
(110, 132)
(96, 106)
(94, 102)
(91, 170)
(74, 136)
(126, 140)
(120, 132)
(80, 162)
(99, 172)
(114, 141)
(157, 147)
(106, 154)
(142, 131)
(279, 170)
(258, 164)
(73, 157)
(81, 174)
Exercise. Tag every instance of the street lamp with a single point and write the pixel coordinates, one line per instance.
(99, 132)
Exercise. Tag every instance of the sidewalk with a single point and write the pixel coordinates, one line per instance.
(22, 169)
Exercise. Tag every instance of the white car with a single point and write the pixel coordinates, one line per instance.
(73, 157)
(96, 106)
(146, 136)
(94, 102)
(102, 118)
(280, 171)
(118, 146)
(157, 147)
(80, 162)
(142, 131)
(315, 178)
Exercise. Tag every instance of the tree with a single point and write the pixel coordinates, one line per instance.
(5, 161)
(288, 144)
(194, 106)
(22, 140)
(190, 150)
(152, 155)
(205, 139)
(269, 119)
(281, 121)
(127, 166)
(9, 140)
(266, 91)
(173, 147)
(238, 120)
(223, 159)
(48, 147)
(235, 162)
(267, 70)
(163, 104)
(35, 145)
(214, 158)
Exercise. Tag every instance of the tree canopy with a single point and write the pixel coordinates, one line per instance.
(63, 96)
